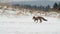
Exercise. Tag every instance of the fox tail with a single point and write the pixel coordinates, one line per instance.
(44, 19)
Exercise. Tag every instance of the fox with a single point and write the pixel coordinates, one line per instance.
(39, 18)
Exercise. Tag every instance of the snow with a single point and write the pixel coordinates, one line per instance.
(11, 24)
(25, 25)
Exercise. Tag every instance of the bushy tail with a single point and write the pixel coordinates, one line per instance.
(44, 19)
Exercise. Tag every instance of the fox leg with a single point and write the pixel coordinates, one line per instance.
(40, 20)
(37, 21)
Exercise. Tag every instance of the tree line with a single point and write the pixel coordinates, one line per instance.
(56, 6)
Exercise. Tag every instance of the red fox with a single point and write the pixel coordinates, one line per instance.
(38, 18)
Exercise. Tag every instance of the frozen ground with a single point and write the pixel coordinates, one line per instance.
(25, 25)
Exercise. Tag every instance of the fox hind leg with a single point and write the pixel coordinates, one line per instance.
(40, 20)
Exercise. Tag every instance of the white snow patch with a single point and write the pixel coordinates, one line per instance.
(25, 25)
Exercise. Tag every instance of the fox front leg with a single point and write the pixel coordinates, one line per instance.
(37, 21)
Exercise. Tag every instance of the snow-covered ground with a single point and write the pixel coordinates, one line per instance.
(10, 23)
(25, 25)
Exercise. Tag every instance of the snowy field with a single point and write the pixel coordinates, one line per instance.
(25, 25)
(10, 24)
